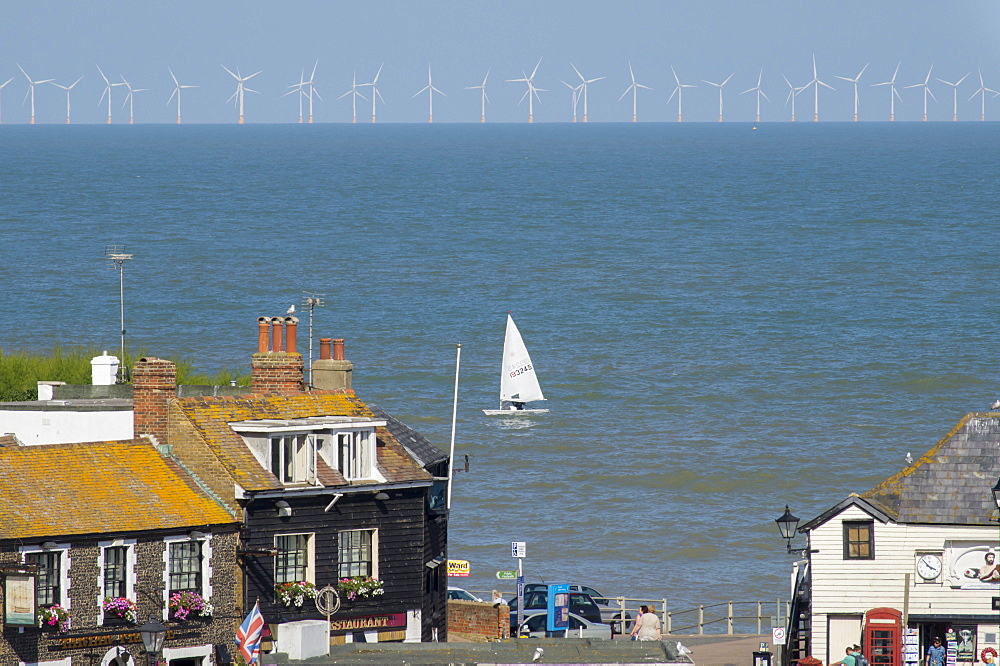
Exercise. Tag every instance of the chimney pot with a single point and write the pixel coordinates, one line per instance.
(338, 349)
(324, 349)
(262, 334)
(291, 326)
(276, 323)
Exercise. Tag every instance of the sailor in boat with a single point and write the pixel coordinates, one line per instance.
(513, 406)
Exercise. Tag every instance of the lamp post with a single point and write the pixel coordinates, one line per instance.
(153, 633)
(787, 525)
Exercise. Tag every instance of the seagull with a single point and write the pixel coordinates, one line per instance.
(909, 458)
(682, 649)
(290, 311)
(995, 404)
(538, 654)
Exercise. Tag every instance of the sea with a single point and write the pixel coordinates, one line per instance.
(725, 320)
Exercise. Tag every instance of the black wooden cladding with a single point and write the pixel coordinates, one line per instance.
(407, 539)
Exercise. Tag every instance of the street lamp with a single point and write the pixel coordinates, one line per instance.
(153, 633)
(787, 525)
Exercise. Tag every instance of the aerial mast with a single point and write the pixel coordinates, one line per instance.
(311, 301)
(116, 256)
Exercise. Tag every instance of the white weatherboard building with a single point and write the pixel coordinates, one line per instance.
(914, 558)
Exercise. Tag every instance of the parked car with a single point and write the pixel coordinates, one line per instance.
(538, 598)
(534, 626)
(610, 613)
(461, 595)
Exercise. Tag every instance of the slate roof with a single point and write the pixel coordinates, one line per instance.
(416, 444)
(211, 417)
(56, 490)
(952, 483)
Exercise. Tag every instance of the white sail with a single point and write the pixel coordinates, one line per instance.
(518, 382)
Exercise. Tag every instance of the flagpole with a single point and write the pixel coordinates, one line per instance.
(454, 419)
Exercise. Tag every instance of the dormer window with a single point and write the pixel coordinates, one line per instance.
(356, 449)
(293, 458)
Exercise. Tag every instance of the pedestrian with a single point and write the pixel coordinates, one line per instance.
(935, 653)
(498, 598)
(649, 625)
(859, 657)
(848, 659)
(635, 627)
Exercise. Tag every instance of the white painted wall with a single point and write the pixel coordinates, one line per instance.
(65, 427)
(847, 587)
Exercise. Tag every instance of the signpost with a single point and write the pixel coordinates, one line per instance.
(519, 549)
(506, 575)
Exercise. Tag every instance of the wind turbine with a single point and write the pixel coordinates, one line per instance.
(298, 88)
(584, 83)
(893, 95)
(312, 90)
(816, 83)
(177, 93)
(720, 86)
(792, 92)
(678, 91)
(31, 92)
(107, 92)
(430, 89)
(635, 92)
(532, 91)
(982, 91)
(2, 86)
(375, 92)
(67, 89)
(353, 92)
(482, 87)
(927, 90)
(576, 90)
(954, 87)
(129, 98)
(760, 93)
(855, 82)
(241, 90)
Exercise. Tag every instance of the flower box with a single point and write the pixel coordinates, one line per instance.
(54, 618)
(294, 593)
(189, 605)
(120, 608)
(360, 587)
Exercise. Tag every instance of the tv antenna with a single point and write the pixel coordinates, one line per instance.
(312, 301)
(116, 256)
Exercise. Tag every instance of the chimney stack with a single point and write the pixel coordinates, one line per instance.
(154, 383)
(276, 370)
(332, 373)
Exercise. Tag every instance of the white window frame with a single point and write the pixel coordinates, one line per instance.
(130, 564)
(206, 566)
(303, 467)
(374, 554)
(310, 554)
(65, 599)
(349, 443)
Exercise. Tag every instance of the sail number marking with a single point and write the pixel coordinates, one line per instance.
(520, 371)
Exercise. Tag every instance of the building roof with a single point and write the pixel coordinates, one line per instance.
(950, 484)
(54, 490)
(212, 416)
(416, 444)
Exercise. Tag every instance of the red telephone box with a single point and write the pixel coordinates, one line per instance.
(883, 637)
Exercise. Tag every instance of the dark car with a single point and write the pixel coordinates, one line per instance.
(579, 603)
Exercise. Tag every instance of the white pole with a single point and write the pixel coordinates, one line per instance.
(454, 419)
(121, 301)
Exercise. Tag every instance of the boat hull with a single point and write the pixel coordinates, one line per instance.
(513, 412)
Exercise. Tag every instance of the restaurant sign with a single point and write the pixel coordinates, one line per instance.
(100, 640)
(368, 622)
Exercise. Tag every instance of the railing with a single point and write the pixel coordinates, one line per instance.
(737, 617)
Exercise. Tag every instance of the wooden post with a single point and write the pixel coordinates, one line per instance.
(729, 617)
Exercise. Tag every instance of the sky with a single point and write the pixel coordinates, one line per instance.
(461, 40)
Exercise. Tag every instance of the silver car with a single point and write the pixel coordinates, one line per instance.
(579, 627)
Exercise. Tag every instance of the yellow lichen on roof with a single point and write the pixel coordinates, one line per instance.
(211, 418)
(98, 488)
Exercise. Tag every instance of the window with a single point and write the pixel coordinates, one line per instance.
(859, 540)
(292, 562)
(48, 583)
(185, 566)
(355, 550)
(356, 454)
(115, 571)
(293, 458)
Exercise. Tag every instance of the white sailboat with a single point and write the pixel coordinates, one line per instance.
(518, 383)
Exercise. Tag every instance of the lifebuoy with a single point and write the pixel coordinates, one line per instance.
(988, 655)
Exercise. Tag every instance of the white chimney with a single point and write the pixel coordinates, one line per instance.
(104, 370)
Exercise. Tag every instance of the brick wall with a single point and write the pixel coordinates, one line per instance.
(155, 384)
(478, 620)
(276, 372)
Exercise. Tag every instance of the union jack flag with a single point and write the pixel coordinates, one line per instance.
(248, 635)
